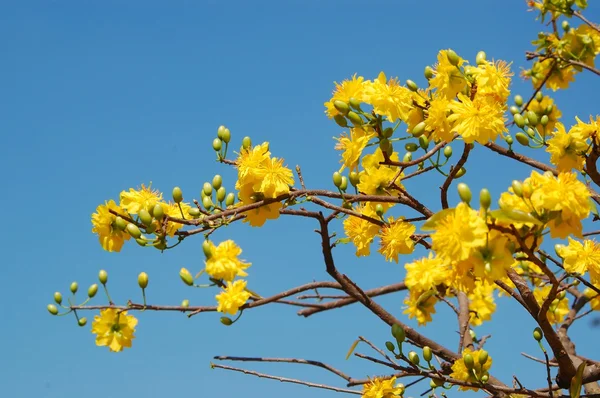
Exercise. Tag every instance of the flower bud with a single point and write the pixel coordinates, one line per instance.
(186, 277)
(207, 188)
(527, 190)
(58, 298)
(424, 142)
(460, 173)
(221, 192)
(355, 118)
(82, 321)
(384, 144)
(217, 144)
(354, 104)
(537, 334)
(217, 181)
(480, 59)
(539, 96)
(340, 120)
(134, 231)
(185, 303)
(530, 132)
(519, 120)
(226, 321)
(207, 202)
(142, 241)
(337, 179)
(533, 118)
(509, 139)
(469, 362)
(103, 277)
(220, 131)
(390, 346)
(207, 249)
(427, 354)
(517, 187)
(344, 184)
(561, 295)
(549, 109)
(485, 199)
(513, 110)
(52, 309)
(398, 332)
(177, 195)
(92, 290)
(143, 280)
(407, 157)
(452, 57)
(226, 136)
(354, 178)
(230, 199)
(412, 86)
(411, 147)
(120, 223)
(565, 25)
(387, 132)
(447, 151)
(419, 129)
(74, 286)
(436, 383)
(246, 142)
(428, 72)
(341, 106)
(473, 334)
(194, 212)
(379, 210)
(158, 212)
(483, 356)
(544, 120)
(464, 193)
(414, 357)
(522, 139)
(145, 217)
(518, 100)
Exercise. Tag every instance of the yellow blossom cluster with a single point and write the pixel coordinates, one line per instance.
(473, 367)
(382, 388)
(568, 149)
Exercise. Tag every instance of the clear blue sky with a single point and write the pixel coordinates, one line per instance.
(98, 97)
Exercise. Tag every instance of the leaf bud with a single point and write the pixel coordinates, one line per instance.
(427, 354)
(52, 309)
(522, 139)
(186, 277)
(103, 276)
(217, 144)
(355, 118)
(143, 280)
(480, 59)
(337, 179)
(246, 142)
(92, 290)
(74, 286)
(414, 357)
(341, 107)
(177, 195)
(390, 346)
(464, 193)
(412, 86)
(537, 334)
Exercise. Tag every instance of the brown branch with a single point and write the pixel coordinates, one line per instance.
(532, 55)
(413, 162)
(521, 158)
(591, 166)
(453, 171)
(465, 341)
(589, 23)
(374, 347)
(542, 361)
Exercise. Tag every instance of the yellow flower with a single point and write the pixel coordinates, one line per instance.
(540, 108)
(114, 329)
(375, 180)
(396, 239)
(382, 388)
(582, 131)
(558, 309)
(233, 297)
(493, 78)
(481, 119)
(437, 120)
(353, 145)
(426, 273)
(143, 198)
(566, 150)
(420, 305)
(459, 234)
(224, 263)
(492, 260)
(275, 178)
(461, 372)
(250, 162)
(593, 297)
(344, 91)
(389, 98)
(373, 160)
(560, 76)
(580, 257)
(257, 217)
(481, 303)
(562, 193)
(110, 237)
(448, 79)
(361, 232)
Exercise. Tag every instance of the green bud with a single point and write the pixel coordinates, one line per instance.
(533, 118)
(537, 334)
(412, 86)
(483, 356)
(186, 277)
(143, 280)
(185, 303)
(177, 195)
(246, 142)
(158, 212)
(207, 202)
(434, 383)
(544, 120)
(522, 139)
(518, 100)
(355, 118)
(485, 378)
(447, 151)
(92, 290)
(226, 137)
(517, 187)
(340, 120)
(485, 199)
(419, 129)
(539, 96)
(379, 210)
(354, 178)
(52, 309)
(519, 120)
(221, 192)
(337, 179)
(194, 212)
(145, 217)
(120, 223)
(414, 357)
(134, 231)
(452, 57)
(387, 132)
(390, 346)
(428, 72)
(398, 332)
(142, 241)
(530, 132)
(427, 354)
(407, 157)
(82, 321)
(74, 286)
(480, 59)
(341, 106)
(384, 144)
(473, 334)
(220, 131)
(347, 205)
(354, 104)
(469, 362)
(548, 109)
(561, 295)
(217, 144)
(514, 110)
(565, 25)
(103, 276)
(217, 181)
(207, 188)
(424, 142)
(207, 249)
(411, 147)
(160, 244)
(464, 193)
(226, 321)
(509, 139)
(58, 298)
(229, 199)
(460, 173)
(344, 184)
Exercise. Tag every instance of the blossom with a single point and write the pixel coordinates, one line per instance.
(275, 179)
(566, 150)
(353, 145)
(420, 305)
(493, 78)
(481, 303)
(233, 297)
(426, 273)
(560, 76)
(138, 199)
(354, 88)
(110, 237)
(375, 180)
(114, 328)
(583, 131)
(481, 119)
(396, 239)
(382, 388)
(491, 261)
(360, 231)
(175, 210)
(437, 119)
(389, 98)
(250, 162)
(258, 216)
(224, 262)
(558, 309)
(541, 108)
(447, 78)
(461, 372)
(578, 257)
(594, 298)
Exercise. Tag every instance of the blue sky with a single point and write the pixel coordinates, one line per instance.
(99, 97)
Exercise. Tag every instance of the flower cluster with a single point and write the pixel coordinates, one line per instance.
(114, 328)
(568, 149)
(473, 367)
(382, 388)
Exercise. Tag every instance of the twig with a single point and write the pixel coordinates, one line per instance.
(453, 171)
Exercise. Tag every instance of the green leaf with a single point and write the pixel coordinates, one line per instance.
(352, 348)
(514, 216)
(593, 206)
(343, 240)
(575, 387)
(433, 221)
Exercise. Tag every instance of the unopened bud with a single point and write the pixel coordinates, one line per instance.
(428, 72)
(354, 178)
(522, 139)
(52, 309)
(82, 321)
(411, 147)
(246, 142)
(74, 286)
(390, 346)
(452, 57)
(340, 120)
(419, 129)
(517, 187)
(103, 277)
(337, 179)
(414, 357)
(483, 356)
(355, 118)
(485, 198)
(58, 298)
(537, 334)
(480, 59)
(460, 173)
(217, 144)
(221, 193)
(226, 321)
(143, 280)
(186, 277)
(412, 86)
(427, 354)
(379, 210)
(519, 120)
(341, 107)
(518, 100)
(448, 151)
(508, 139)
(145, 217)
(177, 195)
(120, 223)
(544, 120)
(185, 303)
(533, 118)
(134, 231)
(92, 290)
(354, 104)
(407, 157)
(398, 332)
(344, 184)
(468, 361)
(539, 96)
(207, 249)
(464, 192)
(513, 110)
(230, 199)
